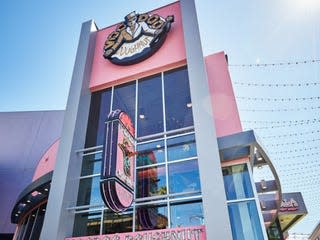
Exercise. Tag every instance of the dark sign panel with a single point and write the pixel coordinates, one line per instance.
(137, 38)
(117, 171)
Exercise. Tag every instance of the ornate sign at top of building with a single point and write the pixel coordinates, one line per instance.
(137, 38)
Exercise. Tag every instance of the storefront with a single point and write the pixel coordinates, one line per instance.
(152, 145)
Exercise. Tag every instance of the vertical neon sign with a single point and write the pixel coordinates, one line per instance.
(117, 171)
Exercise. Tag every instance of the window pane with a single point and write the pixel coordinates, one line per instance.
(29, 226)
(91, 164)
(89, 191)
(245, 222)
(151, 217)
(184, 177)
(150, 112)
(186, 214)
(124, 98)
(22, 228)
(181, 147)
(178, 101)
(87, 224)
(151, 181)
(117, 222)
(38, 223)
(150, 153)
(99, 110)
(237, 182)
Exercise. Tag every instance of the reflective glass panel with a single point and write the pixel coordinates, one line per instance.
(89, 191)
(87, 224)
(181, 147)
(22, 228)
(177, 98)
(237, 182)
(124, 98)
(184, 177)
(151, 217)
(150, 153)
(29, 226)
(99, 110)
(117, 222)
(91, 164)
(245, 222)
(151, 181)
(186, 214)
(35, 235)
(150, 112)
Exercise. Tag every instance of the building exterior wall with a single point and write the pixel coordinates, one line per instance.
(25, 136)
(105, 74)
(174, 105)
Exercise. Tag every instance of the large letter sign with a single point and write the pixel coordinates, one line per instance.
(117, 171)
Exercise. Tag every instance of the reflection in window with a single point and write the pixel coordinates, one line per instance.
(150, 112)
(89, 191)
(184, 177)
(237, 182)
(151, 181)
(29, 226)
(124, 98)
(22, 228)
(32, 224)
(117, 222)
(178, 101)
(181, 147)
(150, 153)
(87, 224)
(186, 214)
(38, 223)
(245, 222)
(151, 217)
(99, 110)
(91, 164)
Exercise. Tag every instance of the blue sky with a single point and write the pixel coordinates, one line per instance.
(39, 41)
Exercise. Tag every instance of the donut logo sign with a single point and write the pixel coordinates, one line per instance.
(117, 170)
(137, 38)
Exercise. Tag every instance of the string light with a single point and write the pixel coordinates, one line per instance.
(291, 143)
(295, 150)
(280, 126)
(276, 64)
(291, 134)
(299, 156)
(253, 84)
(277, 99)
(280, 110)
(284, 121)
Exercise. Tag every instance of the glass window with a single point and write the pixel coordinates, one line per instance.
(184, 177)
(151, 181)
(99, 110)
(150, 112)
(89, 191)
(150, 153)
(22, 228)
(186, 214)
(124, 98)
(245, 222)
(87, 224)
(237, 182)
(151, 217)
(117, 222)
(181, 147)
(178, 101)
(29, 226)
(91, 164)
(38, 223)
